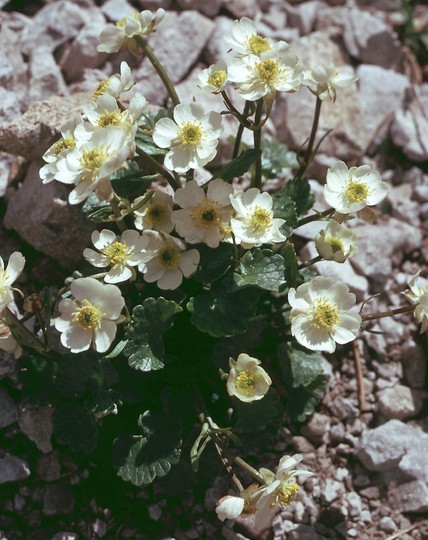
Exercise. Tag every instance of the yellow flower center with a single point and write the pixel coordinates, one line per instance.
(155, 214)
(109, 119)
(168, 257)
(206, 214)
(258, 44)
(245, 382)
(93, 160)
(190, 134)
(326, 315)
(87, 316)
(261, 219)
(286, 493)
(101, 88)
(217, 78)
(268, 70)
(116, 253)
(4, 281)
(63, 144)
(335, 243)
(356, 192)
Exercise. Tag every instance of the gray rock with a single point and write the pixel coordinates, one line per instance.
(36, 424)
(303, 16)
(65, 536)
(82, 53)
(6, 71)
(302, 445)
(115, 10)
(47, 221)
(349, 138)
(47, 27)
(304, 532)
(57, 499)
(12, 469)
(210, 9)
(399, 402)
(38, 128)
(46, 79)
(317, 427)
(409, 497)
(376, 257)
(10, 108)
(8, 409)
(217, 48)
(409, 129)
(414, 463)
(354, 504)
(414, 363)
(99, 528)
(241, 8)
(382, 92)
(382, 448)
(331, 490)
(370, 40)
(387, 524)
(344, 408)
(178, 43)
(402, 206)
(8, 365)
(48, 467)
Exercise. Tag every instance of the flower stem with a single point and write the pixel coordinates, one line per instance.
(160, 169)
(308, 155)
(115, 206)
(148, 51)
(240, 131)
(389, 313)
(316, 259)
(315, 217)
(257, 183)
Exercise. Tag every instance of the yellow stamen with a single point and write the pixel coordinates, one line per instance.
(261, 219)
(287, 493)
(335, 243)
(245, 382)
(168, 256)
(116, 253)
(258, 44)
(190, 134)
(92, 160)
(217, 78)
(155, 214)
(109, 119)
(356, 192)
(326, 315)
(64, 144)
(206, 214)
(268, 70)
(101, 88)
(87, 316)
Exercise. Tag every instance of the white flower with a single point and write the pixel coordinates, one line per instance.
(247, 380)
(418, 293)
(281, 487)
(336, 242)
(202, 217)
(168, 261)
(156, 214)
(351, 190)
(254, 224)
(116, 84)
(321, 314)
(90, 165)
(7, 342)
(116, 37)
(192, 136)
(230, 507)
(213, 79)
(120, 253)
(8, 277)
(245, 40)
(261, 76)
(60, 149)
(328, 79)
(89, 318)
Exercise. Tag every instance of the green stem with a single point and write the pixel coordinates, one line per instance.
(315, 217)
(160, 169)
(257, 145)
(308, 156)
(389, 313)
(240, 131)
(148, 51)
(115, 206)
(316, 259)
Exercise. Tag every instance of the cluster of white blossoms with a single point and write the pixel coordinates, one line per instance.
(279, 489)
(96, 144)
(8, 276)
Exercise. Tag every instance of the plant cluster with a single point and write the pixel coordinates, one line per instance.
(195, 321)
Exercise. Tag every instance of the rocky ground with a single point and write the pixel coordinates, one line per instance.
(371, 457)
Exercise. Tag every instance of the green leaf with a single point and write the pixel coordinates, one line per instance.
(130, 180)
(255, 416)
(290, 258)
(95, 210)
(140, 459)
(21, 333)
(214, 262)
(118, 349)
(302, 402)
(276, 156)
(261, 268)
(75, 426)
(299, 191)
(145, 346)
(224, 311)
(106, 403)
(303, 367)
(238, 166)
(285, 208)
(145, 142)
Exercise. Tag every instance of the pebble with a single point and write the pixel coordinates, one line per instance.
(57, 499)
(409, 497)
(414, 463)
(12, 469)
(399, 402)
(8, 409)
(331, 490)
(387, 524)
(36, 424)
(317, 427)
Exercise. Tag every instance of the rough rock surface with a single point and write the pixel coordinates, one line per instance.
(409, 129)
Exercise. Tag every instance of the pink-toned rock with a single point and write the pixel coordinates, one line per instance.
(210, 9)
(46, 79)
(409, 129)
